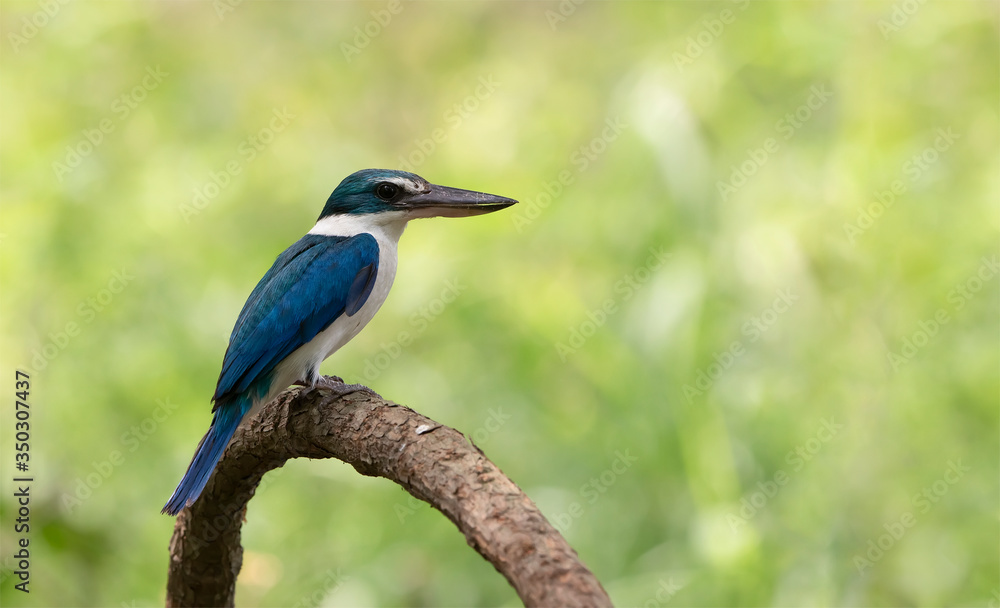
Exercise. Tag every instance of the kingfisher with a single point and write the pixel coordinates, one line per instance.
(317, 296)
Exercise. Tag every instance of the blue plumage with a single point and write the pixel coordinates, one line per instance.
(310, 285)
(321, 282)
(306, 289)
(224, 423)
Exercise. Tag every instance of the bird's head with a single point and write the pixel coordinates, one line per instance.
(408, 196)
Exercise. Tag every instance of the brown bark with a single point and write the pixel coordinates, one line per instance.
(381, 439)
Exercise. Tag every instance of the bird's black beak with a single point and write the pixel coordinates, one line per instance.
(442, 201)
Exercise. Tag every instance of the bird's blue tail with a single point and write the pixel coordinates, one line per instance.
(227, 419)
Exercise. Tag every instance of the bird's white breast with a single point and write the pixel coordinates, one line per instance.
(386, 228)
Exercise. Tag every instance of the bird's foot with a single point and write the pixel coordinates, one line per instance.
(332, 383)
(336, 385)
(344, 389)
(323, 381)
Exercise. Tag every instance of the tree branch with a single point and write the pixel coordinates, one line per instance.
(432, 462)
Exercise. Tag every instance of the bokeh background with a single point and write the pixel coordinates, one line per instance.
(739, 340)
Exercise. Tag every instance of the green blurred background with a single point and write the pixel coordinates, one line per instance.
(739, 340)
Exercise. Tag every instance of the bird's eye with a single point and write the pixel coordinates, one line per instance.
(386, 191)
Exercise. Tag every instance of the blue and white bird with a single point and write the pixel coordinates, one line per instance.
(319, 294)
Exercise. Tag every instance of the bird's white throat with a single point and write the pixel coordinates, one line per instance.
(387, 226)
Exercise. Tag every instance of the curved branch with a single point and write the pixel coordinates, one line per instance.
(432, 462)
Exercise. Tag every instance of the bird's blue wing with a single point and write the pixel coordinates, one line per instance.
(310, 285)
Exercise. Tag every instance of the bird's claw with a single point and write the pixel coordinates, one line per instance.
(330, 382)
(336, 385)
